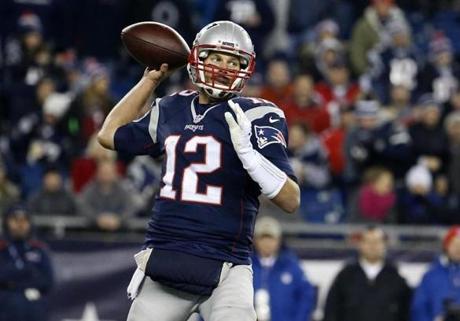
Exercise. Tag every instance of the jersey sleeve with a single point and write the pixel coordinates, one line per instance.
(140, 136)
(270, 135)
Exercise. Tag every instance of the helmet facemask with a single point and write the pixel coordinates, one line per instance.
(223, 37)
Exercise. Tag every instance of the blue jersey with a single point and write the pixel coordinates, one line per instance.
(207, 203)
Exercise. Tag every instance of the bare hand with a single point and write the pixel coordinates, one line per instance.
(108, 222)
(157, 76)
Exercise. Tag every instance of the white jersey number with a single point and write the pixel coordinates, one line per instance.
(189, 186)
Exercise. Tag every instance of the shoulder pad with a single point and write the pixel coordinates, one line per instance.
(256, 108)
(184, 94)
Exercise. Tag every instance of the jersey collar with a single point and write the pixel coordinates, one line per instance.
(199, 117)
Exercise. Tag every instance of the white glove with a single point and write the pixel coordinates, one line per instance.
(240, 133)
(269, 177)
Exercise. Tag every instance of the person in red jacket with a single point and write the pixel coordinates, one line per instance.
(338, 92)
(306, 106)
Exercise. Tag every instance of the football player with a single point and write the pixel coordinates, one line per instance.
(221, 151)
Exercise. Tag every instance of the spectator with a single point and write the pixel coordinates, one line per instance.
(278, 86)
(306, 105)
(453, 105)
(371, 30)
(320, 202)
(255, 16)
(174, 13)
(89, 108)
(400, 108)
(25, 116)
(334, 142)
(437, 296)
(376, 198)
(308, 157)
(53, 198)
(279, 40)
(373, 142)
(449, 201)
(26, 275)
(9, 193)
(316, 56)
(338, 91)
(83, 169)
(418, 203)
(395, 64)
(359, 143)
(106, 200)
(440, 74)
(282, 291)
(369, 288)
(429, 140)
(49, 143)
(22, 50)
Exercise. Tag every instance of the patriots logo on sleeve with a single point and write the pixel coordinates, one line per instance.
(267, 135)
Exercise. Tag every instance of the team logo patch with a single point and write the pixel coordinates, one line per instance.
(267, 135)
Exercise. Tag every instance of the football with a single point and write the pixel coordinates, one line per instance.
(153, 43)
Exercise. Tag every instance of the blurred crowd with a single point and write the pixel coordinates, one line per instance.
(370, 90)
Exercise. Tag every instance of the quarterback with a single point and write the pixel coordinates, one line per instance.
(221, 150)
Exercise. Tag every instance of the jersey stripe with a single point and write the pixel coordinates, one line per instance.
(153, 124)
(261, 111)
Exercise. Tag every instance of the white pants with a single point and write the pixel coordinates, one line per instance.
(231, 300)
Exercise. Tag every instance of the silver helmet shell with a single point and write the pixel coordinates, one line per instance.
(226, 37)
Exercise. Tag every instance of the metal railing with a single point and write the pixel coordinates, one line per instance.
(299, 234)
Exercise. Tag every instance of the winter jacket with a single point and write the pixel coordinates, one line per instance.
(439, 287)
(353, 297)
(25, 278)
(291, 296)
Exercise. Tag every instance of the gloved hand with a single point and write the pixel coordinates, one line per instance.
(269, 177)
(240, 133)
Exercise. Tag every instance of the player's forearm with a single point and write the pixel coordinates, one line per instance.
(288, 197)
(125, 111)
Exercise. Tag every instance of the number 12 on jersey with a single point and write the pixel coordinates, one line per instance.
(189, 187)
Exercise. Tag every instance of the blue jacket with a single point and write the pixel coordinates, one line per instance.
(292, 297)
(25, 279)
(441, 283)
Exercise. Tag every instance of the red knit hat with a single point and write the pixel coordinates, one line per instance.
(453, 232)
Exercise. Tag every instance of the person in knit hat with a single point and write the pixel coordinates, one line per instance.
(282, 291)
(26, 273)
(440, 74)
(418, 203)
(439, 291)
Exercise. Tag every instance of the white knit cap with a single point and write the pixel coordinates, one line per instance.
(56, 104)
(419, 175)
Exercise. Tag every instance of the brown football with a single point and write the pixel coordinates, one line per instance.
(153, 43)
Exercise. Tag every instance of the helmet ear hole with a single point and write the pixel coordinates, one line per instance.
(203, 54)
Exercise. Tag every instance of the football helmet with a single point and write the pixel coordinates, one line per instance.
(225, 37)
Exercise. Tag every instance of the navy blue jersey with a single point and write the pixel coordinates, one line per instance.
(207, 203)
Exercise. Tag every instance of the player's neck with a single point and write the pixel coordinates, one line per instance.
(204, 99)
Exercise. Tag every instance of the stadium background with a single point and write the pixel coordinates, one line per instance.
(394, 160)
